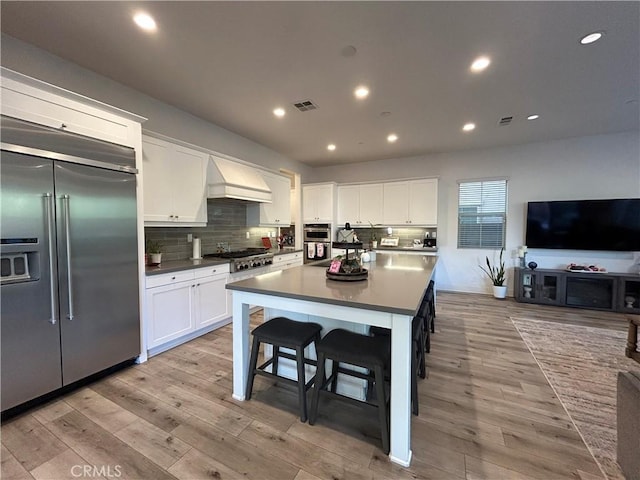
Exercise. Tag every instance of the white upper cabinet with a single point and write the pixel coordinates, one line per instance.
(423, 202)
(174, 184)
(318, 203)
(413, 202)
(360, 205)
(277, 213)
(38, 102)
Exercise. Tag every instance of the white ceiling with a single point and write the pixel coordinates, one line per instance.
(232, 63)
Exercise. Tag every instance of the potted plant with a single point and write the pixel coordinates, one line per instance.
(496, 274)
(374, 237)
(154, 253)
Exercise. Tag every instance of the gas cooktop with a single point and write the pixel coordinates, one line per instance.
(245, 259)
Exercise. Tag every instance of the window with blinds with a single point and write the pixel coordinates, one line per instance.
(482, 214)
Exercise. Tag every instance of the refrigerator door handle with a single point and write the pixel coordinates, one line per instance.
(67, 235)
(49, 207)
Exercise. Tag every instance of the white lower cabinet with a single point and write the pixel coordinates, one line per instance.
(183, 305)
(211, 300)
(170, 310)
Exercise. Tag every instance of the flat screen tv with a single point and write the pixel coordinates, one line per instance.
(607, 225)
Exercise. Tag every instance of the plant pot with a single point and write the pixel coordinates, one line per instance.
(156, 258)
(374, 244)
(500, 291)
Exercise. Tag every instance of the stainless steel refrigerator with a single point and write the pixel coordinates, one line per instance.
(69, 265)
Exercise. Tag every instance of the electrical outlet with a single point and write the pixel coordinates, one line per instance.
(248, 235)
(189, 237)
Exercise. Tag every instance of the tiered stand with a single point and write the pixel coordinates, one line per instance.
(361, 274)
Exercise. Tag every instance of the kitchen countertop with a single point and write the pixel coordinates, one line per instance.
(285, 251)
(407, 249)
(188, 264)
(177, 265)
(396, 284)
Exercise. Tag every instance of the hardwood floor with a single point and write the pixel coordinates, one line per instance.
(486, 412)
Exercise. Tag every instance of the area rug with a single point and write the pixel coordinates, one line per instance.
(581, 364)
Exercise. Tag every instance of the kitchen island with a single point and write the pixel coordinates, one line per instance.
(389, 298)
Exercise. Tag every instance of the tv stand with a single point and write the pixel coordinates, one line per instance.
(619, 292)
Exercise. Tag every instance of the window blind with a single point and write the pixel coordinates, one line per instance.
(482, 214)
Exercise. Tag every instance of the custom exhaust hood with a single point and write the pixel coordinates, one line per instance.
(229, 179)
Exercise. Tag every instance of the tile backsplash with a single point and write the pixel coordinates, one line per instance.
(226, 223)
(405, 235)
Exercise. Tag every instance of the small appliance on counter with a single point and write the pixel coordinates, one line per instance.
(429, 243)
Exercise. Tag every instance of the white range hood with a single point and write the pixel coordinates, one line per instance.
(229, 179)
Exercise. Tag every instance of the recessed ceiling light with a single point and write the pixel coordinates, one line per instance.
(535, 116)
(361, 92)
(392, 138)
(468, 127)
(145, 21)
(480, 63)
(279, 112)
(590, 38)
(331, 147)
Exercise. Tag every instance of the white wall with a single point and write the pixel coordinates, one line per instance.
(604, 166)
(162, 118)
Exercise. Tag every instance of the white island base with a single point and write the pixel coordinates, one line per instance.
(388, 299)
(400, 326)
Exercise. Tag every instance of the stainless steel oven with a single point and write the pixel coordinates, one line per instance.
(317, 232)
(317, 242)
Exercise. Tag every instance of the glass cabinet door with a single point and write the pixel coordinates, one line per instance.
(529, 290)
(630, 295)
(549, 288)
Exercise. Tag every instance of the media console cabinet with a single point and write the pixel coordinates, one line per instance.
(619, 292)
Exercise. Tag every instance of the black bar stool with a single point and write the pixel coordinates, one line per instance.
(371, 353)
(431, 300)
(418, 357)
(283, 332)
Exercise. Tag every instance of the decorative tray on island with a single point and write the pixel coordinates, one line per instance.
(361, 274)
(346, 270)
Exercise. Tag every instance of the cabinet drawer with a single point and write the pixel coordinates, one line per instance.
(169, 278)
(287, 257)
(212, 270)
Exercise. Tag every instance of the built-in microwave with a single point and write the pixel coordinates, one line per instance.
(317, 232)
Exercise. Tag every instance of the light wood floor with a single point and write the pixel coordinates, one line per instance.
(486, 412)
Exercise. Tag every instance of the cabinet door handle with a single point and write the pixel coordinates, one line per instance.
(173, 278)
(214, 271)
(63, 126)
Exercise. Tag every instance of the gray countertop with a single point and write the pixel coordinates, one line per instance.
(407, 249)
(396, 284)
(188, 264)
(177, 265)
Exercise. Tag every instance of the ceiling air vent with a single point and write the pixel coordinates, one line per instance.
(305, 105)
(505, 121)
